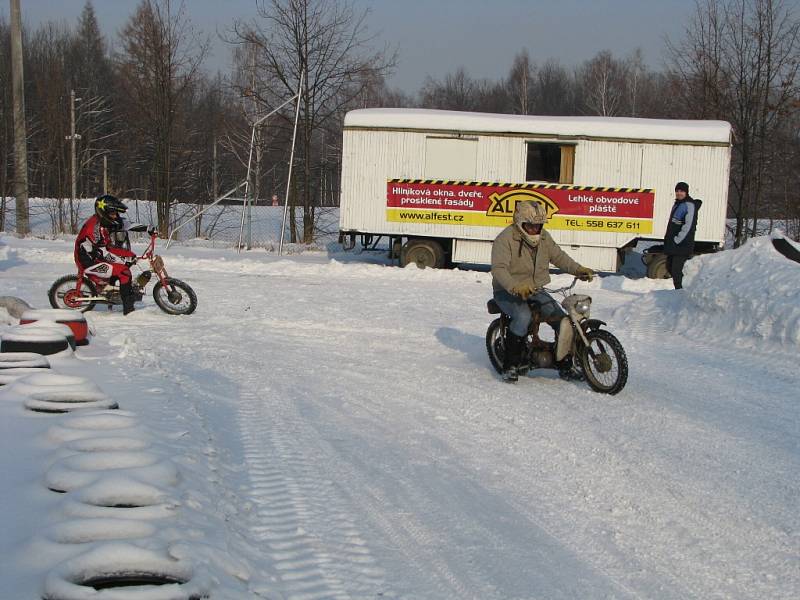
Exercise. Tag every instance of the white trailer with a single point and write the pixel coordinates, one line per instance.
(440, 185)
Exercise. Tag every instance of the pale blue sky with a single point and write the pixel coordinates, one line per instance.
(434, 37)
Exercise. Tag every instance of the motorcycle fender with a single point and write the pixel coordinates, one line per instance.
(590, 324)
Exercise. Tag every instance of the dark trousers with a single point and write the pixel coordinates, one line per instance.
(675, 267)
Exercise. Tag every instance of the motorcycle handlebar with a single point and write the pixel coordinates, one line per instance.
(562, 289)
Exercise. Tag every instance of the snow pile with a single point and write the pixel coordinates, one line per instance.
(750, 292)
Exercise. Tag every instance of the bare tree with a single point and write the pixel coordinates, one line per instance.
(520, 83)
(326, 39)
(740, 61)
(159, 63)
(602, 81)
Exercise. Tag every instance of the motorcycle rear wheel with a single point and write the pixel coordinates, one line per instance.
(607, 371)
(176, 298)
(62, 294)
(495, 345)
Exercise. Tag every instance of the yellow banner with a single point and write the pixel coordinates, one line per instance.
(556, 222)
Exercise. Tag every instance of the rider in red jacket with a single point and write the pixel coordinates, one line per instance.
(96, 253)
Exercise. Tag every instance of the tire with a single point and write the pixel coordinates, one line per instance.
(176, 299)
(45, 348)
(657, 267)
(607, 378)
(425, 253)
(495, 344)
(58, 294)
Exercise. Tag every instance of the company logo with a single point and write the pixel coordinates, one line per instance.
(503, 205)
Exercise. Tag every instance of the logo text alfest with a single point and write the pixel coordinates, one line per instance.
(502, 205)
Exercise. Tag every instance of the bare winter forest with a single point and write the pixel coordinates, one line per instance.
(154, 123)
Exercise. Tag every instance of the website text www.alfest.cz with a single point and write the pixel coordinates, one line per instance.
(431, 216)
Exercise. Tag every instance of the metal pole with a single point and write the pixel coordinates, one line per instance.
(247, 184)
(291, 163)
(74, 187)
(20, 134)
(250, 160)
(72, 137)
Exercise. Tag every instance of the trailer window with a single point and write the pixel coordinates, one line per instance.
(553, 163)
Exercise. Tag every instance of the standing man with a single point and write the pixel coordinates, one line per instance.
(679, 238)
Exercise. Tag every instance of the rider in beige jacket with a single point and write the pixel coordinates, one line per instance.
(521, 259)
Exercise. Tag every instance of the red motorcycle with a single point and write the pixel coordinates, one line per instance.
(85, 290)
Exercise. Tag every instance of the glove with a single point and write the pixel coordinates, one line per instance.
(130, 261)
(584, 274)
(523, 291)
(151, 230)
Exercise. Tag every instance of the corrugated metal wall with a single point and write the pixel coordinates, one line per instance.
(370, 158)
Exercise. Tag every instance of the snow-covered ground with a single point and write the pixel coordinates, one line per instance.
(330, 427)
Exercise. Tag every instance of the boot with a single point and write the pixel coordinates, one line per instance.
(567, 371)
(513, 356)
(126, 293)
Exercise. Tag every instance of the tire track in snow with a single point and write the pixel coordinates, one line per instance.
(316, 548)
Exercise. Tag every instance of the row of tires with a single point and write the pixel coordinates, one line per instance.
(115, 490)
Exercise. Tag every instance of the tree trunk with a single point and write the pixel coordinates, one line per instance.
(20, 133)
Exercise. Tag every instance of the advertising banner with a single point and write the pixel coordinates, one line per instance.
(486, 204)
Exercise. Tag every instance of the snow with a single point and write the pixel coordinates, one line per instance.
(750, 292)
(15, 360)
(332, 428)
(716, 132)
(52, 314)
(40, 331)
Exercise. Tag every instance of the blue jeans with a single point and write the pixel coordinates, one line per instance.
(520, 311)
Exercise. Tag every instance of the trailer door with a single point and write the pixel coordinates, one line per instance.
(451, 158)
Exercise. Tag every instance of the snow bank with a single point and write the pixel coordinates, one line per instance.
(750, 292)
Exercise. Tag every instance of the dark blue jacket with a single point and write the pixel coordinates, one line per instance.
(679, 238)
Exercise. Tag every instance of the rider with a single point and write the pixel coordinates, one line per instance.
(521, 257)
(97, 253)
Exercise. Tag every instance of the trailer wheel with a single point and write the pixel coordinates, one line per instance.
(657, 267)
(423, 253)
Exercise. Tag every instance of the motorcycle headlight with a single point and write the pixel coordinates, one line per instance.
(583, 307)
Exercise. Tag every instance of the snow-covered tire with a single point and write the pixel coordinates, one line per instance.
(71, 318)
(82, 531)
(115, 570)
(68, 405)
(8, 376)
(608, 372)
(19, 360)
(177, 298)
(495, 344)
(61, 292)
(86, 468)
(45, 341)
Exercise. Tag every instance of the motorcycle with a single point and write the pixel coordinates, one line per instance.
(596, 353)
(85, 290)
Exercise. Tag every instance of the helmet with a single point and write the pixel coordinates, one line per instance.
(529, 218)
(107, 204)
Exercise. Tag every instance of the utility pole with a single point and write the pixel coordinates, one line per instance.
(20, 133)
(73, 137)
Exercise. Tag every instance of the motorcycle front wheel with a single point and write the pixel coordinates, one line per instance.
(606, 365)
(62, 294)
(175, 298)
